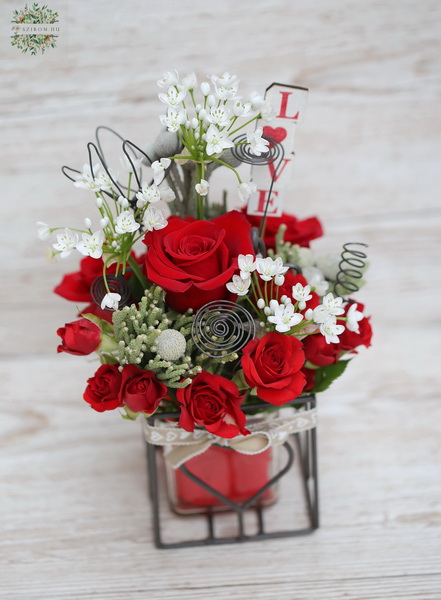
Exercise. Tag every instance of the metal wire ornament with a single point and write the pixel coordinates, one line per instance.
(350, 269)
(116, 285)
(221, 328)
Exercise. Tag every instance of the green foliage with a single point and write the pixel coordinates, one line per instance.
(325, 376)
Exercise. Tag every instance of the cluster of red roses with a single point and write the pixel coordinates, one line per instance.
(192, 261)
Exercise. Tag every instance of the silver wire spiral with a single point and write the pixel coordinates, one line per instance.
(221, 328)
(350, 269)
(117, 285)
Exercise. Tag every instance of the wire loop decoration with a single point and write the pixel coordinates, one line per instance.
(350, 269)
(116, 285)
(221, 328)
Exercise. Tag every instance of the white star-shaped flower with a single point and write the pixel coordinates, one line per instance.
(268, 268)
(167, 194)
(245, 190)
(154, 218)
(239, 285)
(219, 115)
(331, 331)
(301, 294)
(111, 300)
(189, 82)
(258, 144)
(173, 119)
(66, 242)
(216, 140)
(241, 109)
(91, 245)
(354, 316)
(173, 98)
(147, 194)
(159, 167)
(284, 317)
(202, 187)
(246, 264)
(168, 79)
(125, 223)
(333, 305)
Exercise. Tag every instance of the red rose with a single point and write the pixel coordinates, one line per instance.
(318, 352)
(193, 260)
(76, 286)
(140, 390)
(298, 232)
(103, 389)
(310, 375)
(273, 366)
(79, 337)
(349, 340)
(212, 402)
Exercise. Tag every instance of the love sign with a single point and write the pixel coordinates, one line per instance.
(289, 102)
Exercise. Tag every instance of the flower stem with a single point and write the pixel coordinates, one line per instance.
(138, 272)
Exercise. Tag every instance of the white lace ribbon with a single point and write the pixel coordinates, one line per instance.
(268, 431)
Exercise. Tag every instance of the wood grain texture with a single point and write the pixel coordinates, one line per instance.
(75, 521)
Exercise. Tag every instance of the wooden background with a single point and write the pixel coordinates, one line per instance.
(75, 522)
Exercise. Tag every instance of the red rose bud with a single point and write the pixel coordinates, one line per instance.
(140, 390)
(80, 337)
(194, 260)
(103, 389)
(212, 402)
(273, 365)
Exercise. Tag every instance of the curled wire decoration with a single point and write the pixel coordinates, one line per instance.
(350, 269)
(221, 328)
(117, 285)
(242, 151)
(293, 267)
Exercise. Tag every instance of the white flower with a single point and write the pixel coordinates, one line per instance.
(226, 86)
(154, 218)
(321, 315)
(261, 303)
(86, 179)
(202, 187)
(241, 109)
(246, 264)
(316, 280)
(268, 268)
(205, 88)
(267, 111)
(111, 300)
(256, 141)
(256, 100)
(239, 285)
(91, 245)
(189, 82)
(104, 181)
(219, 115)
(301, 294)
(104, 222)
(148, 194)
(159, 167)
(66, 242)
(173, 119)
(284, 317)
(279, 280)
(216, 141)
(172, 97)
(169, 78)
(245, 190)
(331, 331)
(167, 194)
(333, 305)
(354, 316)
(87, 223)
(125, 223)
(43, 231)
(126, 164)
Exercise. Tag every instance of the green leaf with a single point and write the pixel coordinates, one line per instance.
(239, 380)
(325, 376)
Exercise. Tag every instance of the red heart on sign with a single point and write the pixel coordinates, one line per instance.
(279, 133)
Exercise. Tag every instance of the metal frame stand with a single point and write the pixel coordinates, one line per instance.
(305, 444)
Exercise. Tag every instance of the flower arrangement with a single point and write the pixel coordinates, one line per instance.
(185, 311)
